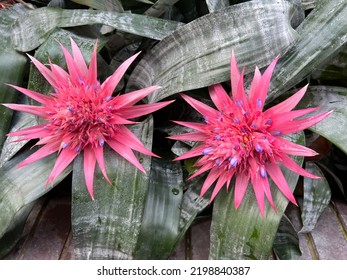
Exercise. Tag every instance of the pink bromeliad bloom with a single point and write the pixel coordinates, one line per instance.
(82, 115)
(239, 139)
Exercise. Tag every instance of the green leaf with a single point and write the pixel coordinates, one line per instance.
(317, 196)
(106, 5)
(192, 205)
(242, 233)
(12, 66)
(108, 227)
(329, 98)
(21, 186)
(159, 7)
(215, 5)
(322, 35)
(198, 54)
(14, 232)
(335, 72)
(161, 217)
(286, 244)
(32, 29)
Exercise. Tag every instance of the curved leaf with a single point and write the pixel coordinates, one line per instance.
(161, 217)
(286, 244)
(106, 5)
(32, 29)
(323, 34)
(317, 196)
(329, 98)
(215, 5)
(242, 233)
(192, 205)
(159, 7)
(198, 54)
(108, 227)
(12, 66)
(21, 186)
(15, 230)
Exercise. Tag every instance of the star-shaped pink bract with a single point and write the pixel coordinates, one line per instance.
(239, 139)
(82, 115)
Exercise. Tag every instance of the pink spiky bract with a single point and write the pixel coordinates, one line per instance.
(239, 139)
(82, 115)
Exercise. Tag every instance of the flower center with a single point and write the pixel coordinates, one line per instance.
(80, 117)
(234, 139)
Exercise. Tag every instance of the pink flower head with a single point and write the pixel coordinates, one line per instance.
(239, 139)
(82, 115)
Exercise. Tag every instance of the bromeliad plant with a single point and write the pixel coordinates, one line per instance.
(251, 137)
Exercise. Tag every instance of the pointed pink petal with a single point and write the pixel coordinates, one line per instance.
(254, 84)
(263, 86)
(63, 160)
(89, 167)
(143, 109)
(111, 82)
(127, 138)
(59, 73)
(48, 139)
(99, 154)
(197, 126)
(34, 110)
(277, 176)
(115, 119)
(34, 135)
(44, 71)
(202, 108)
(259, 193)
(219, 97)
(293, 166)
(292, 148)
(78, 57)
(32, 94)
(190, 136)
(264, 182)
(234, 75)
(220, 183)
(283, 118)
(126, 153)
(211, 177)
(44, 151)
(298, 125)
(288, 104)
(203, 169)
(71, 64)
(192, 153)
(240, 189)
(92, 70)
(28, 130)
(129, 99)
(240, 92)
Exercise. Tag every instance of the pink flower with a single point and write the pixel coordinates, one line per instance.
(82, 115)
(239, 139)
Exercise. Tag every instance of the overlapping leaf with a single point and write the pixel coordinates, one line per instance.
(323, 34)
(108, 227)
(317, 196)
(198, 54)
(33, 28)
(12, 66)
